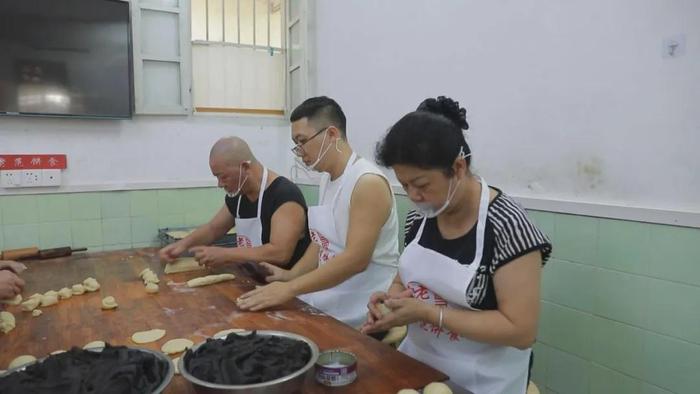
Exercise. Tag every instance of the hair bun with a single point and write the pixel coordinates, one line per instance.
(448, 108)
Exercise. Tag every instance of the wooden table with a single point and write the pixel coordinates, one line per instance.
(185, 313)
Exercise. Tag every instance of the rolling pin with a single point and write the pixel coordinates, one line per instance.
(36, 253)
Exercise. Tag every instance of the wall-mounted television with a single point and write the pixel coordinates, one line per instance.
(66, 58)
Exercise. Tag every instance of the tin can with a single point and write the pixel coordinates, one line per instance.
(336, 368)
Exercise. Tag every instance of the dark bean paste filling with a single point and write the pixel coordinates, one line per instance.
(246, 359)
(114, 370)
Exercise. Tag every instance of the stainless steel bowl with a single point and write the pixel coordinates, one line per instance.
(291, 383)
(166, 380)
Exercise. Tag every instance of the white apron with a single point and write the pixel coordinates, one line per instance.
(346, 301)
(432, 277)
(249, 231)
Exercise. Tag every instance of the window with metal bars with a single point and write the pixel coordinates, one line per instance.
(238, 60)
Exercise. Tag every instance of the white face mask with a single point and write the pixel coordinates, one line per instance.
(240, 183)
(321, 154)
(426, 209)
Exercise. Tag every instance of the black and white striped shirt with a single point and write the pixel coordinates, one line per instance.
(509, 234)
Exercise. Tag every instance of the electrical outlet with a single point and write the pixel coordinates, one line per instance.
(11, 178)
(31, 178)
(51, 177)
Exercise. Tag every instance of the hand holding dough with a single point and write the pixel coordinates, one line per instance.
(384, 309)
(395, 335)
(209, 280)
(109, 303)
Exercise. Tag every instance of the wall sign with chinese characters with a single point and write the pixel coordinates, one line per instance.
(33, 162)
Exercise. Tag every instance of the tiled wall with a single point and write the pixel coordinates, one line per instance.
(620, 308)
(102, 221)
(620, 300)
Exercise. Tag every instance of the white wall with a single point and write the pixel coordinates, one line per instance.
(566, 100)
(234, 77)
(145, 152)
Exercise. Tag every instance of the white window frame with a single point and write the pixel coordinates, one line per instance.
(184, 60)
(221, 111)
(306, 14)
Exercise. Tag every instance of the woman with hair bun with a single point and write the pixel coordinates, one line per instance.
(468, 284)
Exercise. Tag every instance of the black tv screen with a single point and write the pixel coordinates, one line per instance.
(65, 58)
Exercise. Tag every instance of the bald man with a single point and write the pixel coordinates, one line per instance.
(268, 211)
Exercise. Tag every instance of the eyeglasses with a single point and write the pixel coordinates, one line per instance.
(298, 148)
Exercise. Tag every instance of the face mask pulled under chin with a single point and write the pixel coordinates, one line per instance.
(240, 183)
(427, 210)
(321, 154)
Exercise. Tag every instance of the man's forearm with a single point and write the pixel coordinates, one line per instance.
(269, 253)
(336, 271)
(202, 236)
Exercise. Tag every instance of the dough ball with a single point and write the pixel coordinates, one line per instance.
(7, 322)
(37, 312)
(48, 300)
(78, 289)
(91, 284)
(31, 304)
(150, 277)
(65, 293)
(151, 288)
(109, 303)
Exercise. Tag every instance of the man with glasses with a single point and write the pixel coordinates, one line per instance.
(268, 211)
(354, 228)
